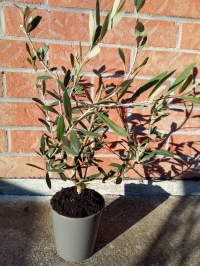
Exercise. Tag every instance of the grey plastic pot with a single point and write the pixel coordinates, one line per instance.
(75, 237)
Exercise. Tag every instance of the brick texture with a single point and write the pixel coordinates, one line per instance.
(3, 141)
(173, 28)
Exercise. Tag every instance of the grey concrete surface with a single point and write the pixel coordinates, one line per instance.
(134, 231)
(129, 187)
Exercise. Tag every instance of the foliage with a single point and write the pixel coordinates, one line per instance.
(75, 127)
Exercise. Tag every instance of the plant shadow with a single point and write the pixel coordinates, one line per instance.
(125, 211)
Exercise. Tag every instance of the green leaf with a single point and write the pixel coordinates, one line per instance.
(139, 4)
(33, 23)
(69, 150)
(122, 56)
(61, 85)
(180, 79)
(97, 13)
(43, 77)
(55, 95)
(60, 130)
(67, 106)
(161, 81)
(50, 109)
(72, 60)
(35, 166)
(28, 49)
(96, 35)
(42, 144)
(104, 28)
(63, 176)
(156, 92)
(67, 78)
(48, 180)
(91, 28)
(75, 142)
(123, 87)
(93, 52)
(117, 165)
(163, 153)
(80, 48)
(191, 99)
(45, 123)
(65, 141)
(117, 129)
(38, 101)
(89, 133)
(91, 177)
(45, 48)
(148, 85)
(116, 19)
(186, 83)
(20, 12)
(114, 8)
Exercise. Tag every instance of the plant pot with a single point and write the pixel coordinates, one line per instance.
(75, 237)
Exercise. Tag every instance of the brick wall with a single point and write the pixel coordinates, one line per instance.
(173, 28)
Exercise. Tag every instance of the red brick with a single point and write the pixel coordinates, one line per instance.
(164, 168)
(108, 57)
(20, 114)
(25, 140)
(163, 61)
(54, 25)
(179, 119)
(160, 33)
(88, 4)
(21, 85)
(1, 84)
(176, 8)
(15, 167)
(30, 1)
(190, 31)
(3, 141)
(184, 144)
(18, 51)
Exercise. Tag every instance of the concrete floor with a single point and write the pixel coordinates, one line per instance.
(134, 231)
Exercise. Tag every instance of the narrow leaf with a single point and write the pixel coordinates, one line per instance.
(104, 28)
(116, 19)
(122, 56)
(69, 150)
(38, 101)
(49, 108)
(43, 77)
(186, 83)
(61, 85)
(60, 130)
(93, 52)
(180, 79)
(91, 27)
(67, 78)
(89, 133)
(97, 13)
(33, 23)
(67, 106)
(75, 142)
(191, 99)
(63, 176)
(48, 181)
(33, 165)
(117, 129)
(42, 144)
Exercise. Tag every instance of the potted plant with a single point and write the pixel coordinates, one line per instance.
(76, 123)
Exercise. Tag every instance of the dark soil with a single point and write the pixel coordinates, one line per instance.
(68, 202)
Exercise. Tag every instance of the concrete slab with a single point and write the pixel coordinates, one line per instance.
(38, 187)
(134, 231)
